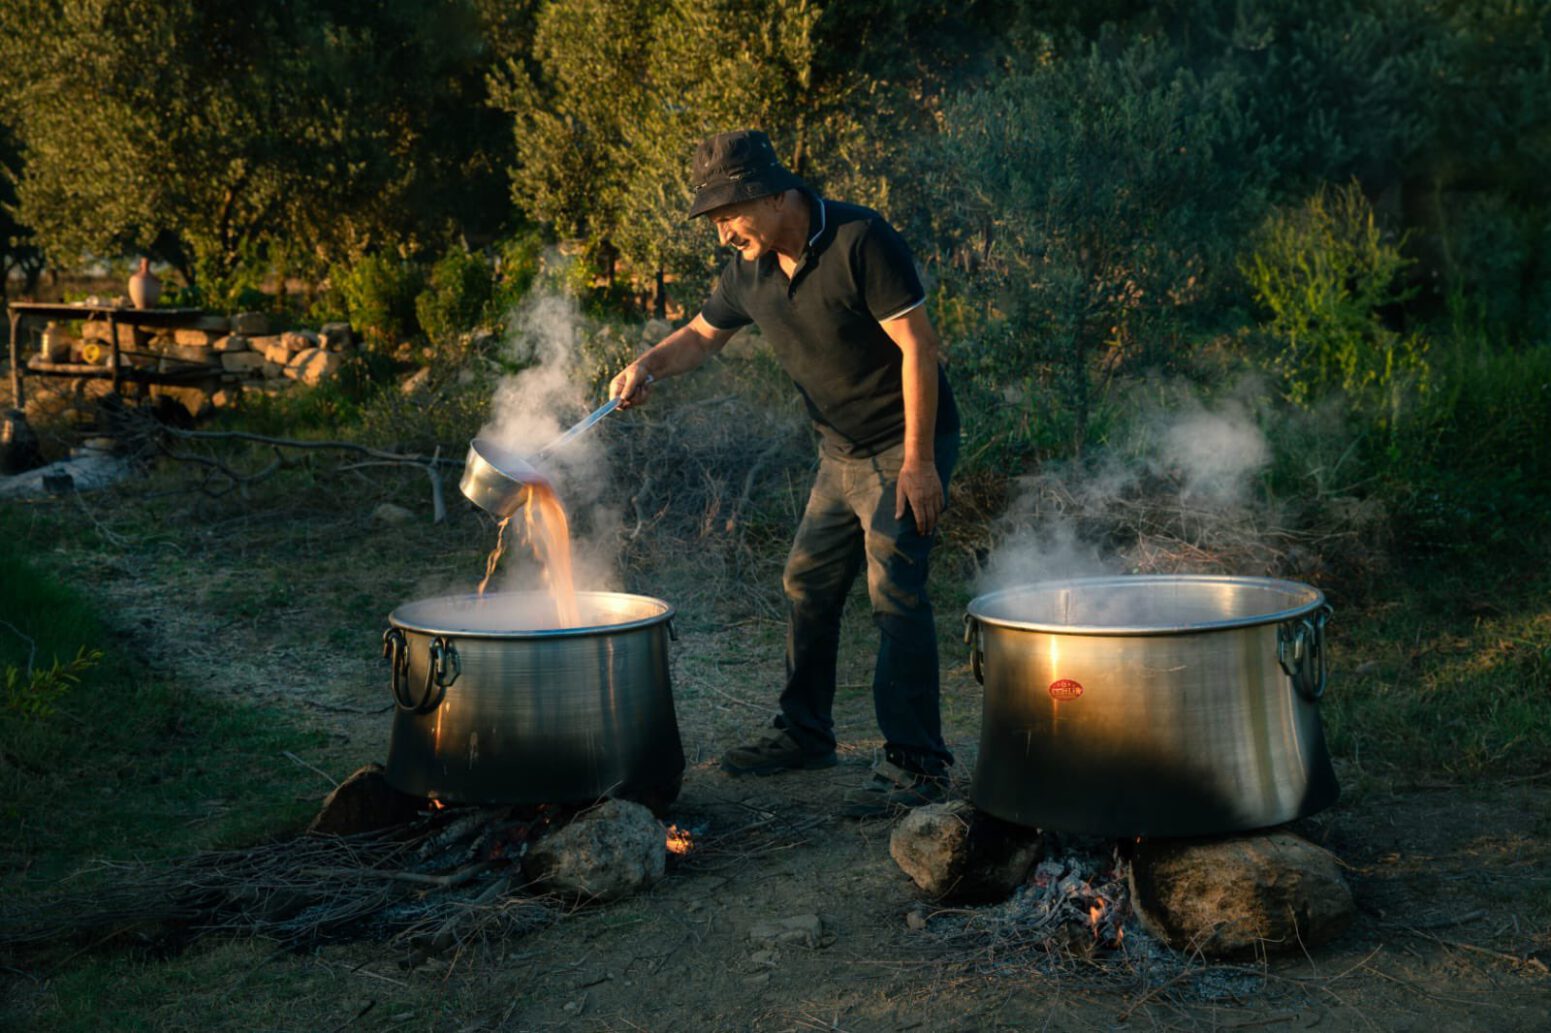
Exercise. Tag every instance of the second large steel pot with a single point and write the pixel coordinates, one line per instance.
(496, 705)
(1151, 705)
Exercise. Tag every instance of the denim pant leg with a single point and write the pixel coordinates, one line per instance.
(905, 678)
(825, 558)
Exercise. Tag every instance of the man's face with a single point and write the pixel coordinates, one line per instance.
(748, 227)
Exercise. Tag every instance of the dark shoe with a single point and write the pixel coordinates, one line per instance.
(893, 789)
(777, 752)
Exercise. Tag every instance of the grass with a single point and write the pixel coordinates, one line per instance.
(1449, 675)
(128, 762)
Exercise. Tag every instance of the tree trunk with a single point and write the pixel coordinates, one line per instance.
(660, 308)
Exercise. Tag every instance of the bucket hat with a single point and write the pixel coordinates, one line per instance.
(737, 166)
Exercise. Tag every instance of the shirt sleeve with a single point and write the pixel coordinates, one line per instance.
(887, 273)
(723, 310)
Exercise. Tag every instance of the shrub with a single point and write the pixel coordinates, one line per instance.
(1472, 462)
(1085, 198)
(379, 292)
(32, 694)
(1327, 273)
(519, 259)
(456, 300)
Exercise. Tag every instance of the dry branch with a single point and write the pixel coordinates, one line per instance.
(383, 885)
(238, 480)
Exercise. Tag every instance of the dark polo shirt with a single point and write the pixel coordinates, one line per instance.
(822, 324)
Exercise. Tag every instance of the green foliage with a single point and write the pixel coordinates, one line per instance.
(1087, 201)
(520, 260)
(1327, 274)
(456, 300)
(18, 250)
(193, 130)
(150, 765)
(33, 694)
(1471, 470)
(1456, 675)
(380, 292)
(607, 113)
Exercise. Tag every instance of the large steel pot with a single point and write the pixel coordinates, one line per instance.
(1151, 705)
(493, 704)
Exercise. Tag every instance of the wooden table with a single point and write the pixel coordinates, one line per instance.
(116, 369)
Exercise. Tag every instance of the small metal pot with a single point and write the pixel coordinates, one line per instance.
(496, 479)
(1151, 705)
(494, 706)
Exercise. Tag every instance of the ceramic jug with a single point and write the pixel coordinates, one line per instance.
(144, 288)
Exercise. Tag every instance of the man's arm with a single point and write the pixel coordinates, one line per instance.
(679, 352)
(919, 486)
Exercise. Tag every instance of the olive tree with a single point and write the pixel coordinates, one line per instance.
(1090, 205)
(204, 132)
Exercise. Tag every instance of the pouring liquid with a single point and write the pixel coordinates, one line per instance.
(548, 532)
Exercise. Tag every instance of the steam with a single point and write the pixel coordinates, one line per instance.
(1168, 497)
(545, 338)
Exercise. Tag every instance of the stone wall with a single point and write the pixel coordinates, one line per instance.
(239, 354)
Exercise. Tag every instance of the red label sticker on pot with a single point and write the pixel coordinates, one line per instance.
(1065, 689)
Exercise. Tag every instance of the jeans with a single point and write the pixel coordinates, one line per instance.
(849, 519)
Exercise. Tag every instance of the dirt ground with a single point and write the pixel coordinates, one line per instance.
(283, 607)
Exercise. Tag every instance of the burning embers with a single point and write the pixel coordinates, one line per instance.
(680, 841)
(1238, 896)
(1074, 903)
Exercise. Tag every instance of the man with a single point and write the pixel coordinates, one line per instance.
(834, 290)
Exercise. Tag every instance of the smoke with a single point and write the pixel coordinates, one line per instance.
(1174, 493)
(545, 339)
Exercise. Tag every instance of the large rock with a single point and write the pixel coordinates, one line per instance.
(195, 400)
(275, 349)
(299, 340)
(1240, 897)
(335, 337)
(189, 353)
(231, 343)
(794, 930)
(314, 365)
(417, 382)
(197, 338)
(364, 802)
(128, 336)
(605, 853)
(243, 362)
(952, 851)
(250, 324)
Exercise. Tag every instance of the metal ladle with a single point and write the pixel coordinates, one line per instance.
(498, 480)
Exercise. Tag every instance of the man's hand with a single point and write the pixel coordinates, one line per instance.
(919, 488)
(632, 386)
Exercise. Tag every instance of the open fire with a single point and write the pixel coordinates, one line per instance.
(680, 841)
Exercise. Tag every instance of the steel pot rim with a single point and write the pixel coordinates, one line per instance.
(664, 615)
(976, 610)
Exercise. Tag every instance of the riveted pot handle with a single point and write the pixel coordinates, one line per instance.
(443, 665)
(977, 655)
(396, 650)
(1300, 649)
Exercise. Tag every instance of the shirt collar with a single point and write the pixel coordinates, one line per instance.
(818, 218)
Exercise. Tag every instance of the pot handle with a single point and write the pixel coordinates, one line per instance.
(443, 665)
(977, 657)
(1300, 649)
